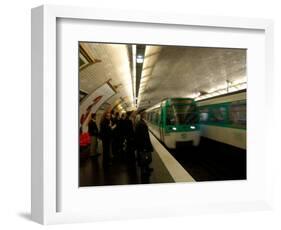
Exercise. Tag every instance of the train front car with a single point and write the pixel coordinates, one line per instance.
(181, 122)
(175, 121)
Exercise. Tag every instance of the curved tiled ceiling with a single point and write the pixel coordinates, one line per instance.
(184, 71)
(113, 65)
(167, 71)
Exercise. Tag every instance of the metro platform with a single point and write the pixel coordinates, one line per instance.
(166, 169)
(121, 172)
(187, 164)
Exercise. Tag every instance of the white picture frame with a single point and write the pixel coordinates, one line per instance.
(46, 163)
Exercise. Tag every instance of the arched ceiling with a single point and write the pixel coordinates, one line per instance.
(167, 71)
(113, 65)
(173, 71)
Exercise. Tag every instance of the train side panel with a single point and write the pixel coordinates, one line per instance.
(154, 129)
(224, 128)
(230, 136)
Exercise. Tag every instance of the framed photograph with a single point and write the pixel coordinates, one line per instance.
(143, 114)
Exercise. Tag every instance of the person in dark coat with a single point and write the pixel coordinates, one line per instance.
(115, 133)
(122, 129)
(127, 139)
(93, 132)
(143, 145)
(106, 135)
(128, 133)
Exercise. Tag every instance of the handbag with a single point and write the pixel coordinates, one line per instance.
(84, 139)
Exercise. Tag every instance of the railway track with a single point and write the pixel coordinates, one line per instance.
(204, 165)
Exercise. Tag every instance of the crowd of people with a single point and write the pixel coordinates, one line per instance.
(121, 136)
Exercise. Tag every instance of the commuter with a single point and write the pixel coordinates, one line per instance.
(129, 133)
(114, 136)
(112, 116)
(127, 138)
(122, 132)
(143, 145)
(93, 132)
(106, 135)
(116, 139)
(133, 119)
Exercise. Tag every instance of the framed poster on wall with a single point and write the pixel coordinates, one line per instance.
(57, 31)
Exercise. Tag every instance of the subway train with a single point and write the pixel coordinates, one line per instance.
(223, 119)
(174, 121)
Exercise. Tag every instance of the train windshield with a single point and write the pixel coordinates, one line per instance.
(182, 114)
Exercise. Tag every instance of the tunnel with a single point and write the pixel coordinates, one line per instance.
(152, 113)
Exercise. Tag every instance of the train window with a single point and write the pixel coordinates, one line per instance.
(152, 117)
(237, 114)
(155, 116)
(181, 115)
(170, 120)
(218, 114)
(148, 117)
(204, 115)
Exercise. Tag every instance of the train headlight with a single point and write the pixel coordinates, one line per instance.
(174, 128)
(192, 127)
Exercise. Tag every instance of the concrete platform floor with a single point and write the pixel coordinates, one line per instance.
(122, 171)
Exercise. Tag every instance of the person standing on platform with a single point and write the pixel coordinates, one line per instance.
(122, 131)
(116, 140)
(106, 135)
(93, 132)
(143, 145)
(128, 132)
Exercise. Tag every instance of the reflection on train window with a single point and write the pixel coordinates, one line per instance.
(154, 116)
(181, 115)
(171, 120)
(218, 114)
(204, 116)
(237, 114)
